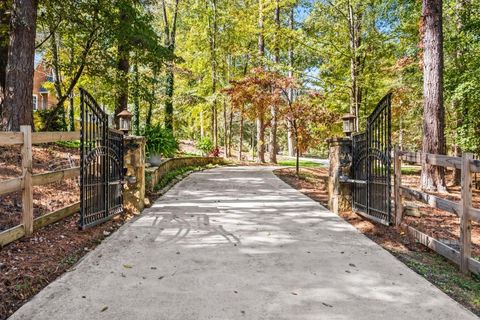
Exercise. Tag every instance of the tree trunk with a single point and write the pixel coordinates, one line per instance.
(290, 142)
(71, 118)
(240, 143)
(202, 130)
(136, 100)
(4, 40)
(458, 105)
(148, 120)
(169, 83)
(213, 48)
(122, 85)
(291, 61)
(260, 117)
(273, 135)
(230, 132)
(225, 129)
(71, 111)
(432, 177)
(273, 109)
(123, 68)
(457, 173)
(260, 139)
(170, 34)
(297, 159)
(355, 42)
(252, 139)
(261, 37)
(18, 106)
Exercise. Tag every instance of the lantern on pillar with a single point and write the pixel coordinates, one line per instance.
(124, 121)
(348, 124)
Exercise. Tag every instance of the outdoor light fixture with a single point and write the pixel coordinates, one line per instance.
(125, 120)
(348, 122)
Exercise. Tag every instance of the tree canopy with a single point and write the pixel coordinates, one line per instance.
(193, 65)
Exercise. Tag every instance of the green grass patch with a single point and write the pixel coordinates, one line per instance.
(302, 163)
(167, 178)
(446, 276)
(411, 170)
(74, 144)
(189, 154)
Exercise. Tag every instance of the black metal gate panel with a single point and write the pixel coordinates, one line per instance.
(360, 174)
(371, 166)
(101, 165)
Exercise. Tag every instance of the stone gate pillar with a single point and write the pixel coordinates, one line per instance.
(134, 163)
(340, 158)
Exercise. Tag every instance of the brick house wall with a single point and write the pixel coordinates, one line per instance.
(42, 98)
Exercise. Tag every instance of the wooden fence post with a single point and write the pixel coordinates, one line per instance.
(27, 192)
(465, 222)
(397, 183)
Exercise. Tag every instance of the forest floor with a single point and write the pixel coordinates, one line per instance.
(313, 182)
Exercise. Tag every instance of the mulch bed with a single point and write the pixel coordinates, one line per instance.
(46, 198)
(443, 226)
(29, 264)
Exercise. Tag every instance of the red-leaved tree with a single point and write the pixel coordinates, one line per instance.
(303, 116)
(253, 97)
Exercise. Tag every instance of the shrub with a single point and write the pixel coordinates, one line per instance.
(205, 145)
(160, 141)
(50, 120)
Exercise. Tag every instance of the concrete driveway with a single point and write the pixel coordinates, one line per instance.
(238, 243)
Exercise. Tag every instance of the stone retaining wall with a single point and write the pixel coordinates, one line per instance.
(154, 174)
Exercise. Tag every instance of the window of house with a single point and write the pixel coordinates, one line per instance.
(51, 77)
(35, 102)
(44, 101)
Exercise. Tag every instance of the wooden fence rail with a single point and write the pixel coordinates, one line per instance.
(463, 209)
(25, 183)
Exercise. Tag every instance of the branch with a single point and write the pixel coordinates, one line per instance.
(52, 31)
(91, 40)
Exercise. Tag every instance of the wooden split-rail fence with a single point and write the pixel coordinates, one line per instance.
(26, 138)
(463, 208)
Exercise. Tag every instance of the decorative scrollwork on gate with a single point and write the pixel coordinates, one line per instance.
(372, 165)
(101, 166)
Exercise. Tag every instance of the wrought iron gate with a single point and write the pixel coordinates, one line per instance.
(371, 165)
(101, 165)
